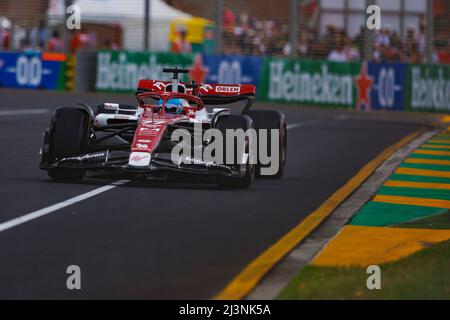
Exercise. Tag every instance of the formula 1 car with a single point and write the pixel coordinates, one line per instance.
(137, 140)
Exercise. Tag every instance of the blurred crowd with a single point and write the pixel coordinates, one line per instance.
(34, 38)
(41, 37)
(243, 34)
(247, 35)
(51, 41)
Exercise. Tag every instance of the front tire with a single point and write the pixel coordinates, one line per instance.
(68, 137)
(248, 169)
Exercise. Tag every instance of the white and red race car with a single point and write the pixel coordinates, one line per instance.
(138, 140)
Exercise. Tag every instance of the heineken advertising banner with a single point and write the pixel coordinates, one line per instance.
(309, 82)
(362, 86)
(428, 88)
(122, 70)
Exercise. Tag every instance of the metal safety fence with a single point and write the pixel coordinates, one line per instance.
(413, 31)
(410, 31)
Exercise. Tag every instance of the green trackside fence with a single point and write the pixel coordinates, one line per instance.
(356, 85)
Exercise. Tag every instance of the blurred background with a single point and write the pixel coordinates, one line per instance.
(412, 31)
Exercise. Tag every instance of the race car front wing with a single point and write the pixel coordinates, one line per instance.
(160, 163)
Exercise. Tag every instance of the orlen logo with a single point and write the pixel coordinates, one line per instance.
(228, 89)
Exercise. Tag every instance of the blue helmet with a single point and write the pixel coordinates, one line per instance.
(175, 105)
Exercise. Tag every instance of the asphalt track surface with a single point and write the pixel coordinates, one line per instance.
(174, 240)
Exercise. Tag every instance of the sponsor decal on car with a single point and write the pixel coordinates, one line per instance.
(139, 159)
(111, 106)
(147, 130)
(123, 117)
(142, 146)
(208, 164)
(206, 87)
(152, 124)
(159, 85)
(227, 89)
(86, 156)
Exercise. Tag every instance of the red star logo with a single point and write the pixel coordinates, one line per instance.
(364, 84)
(197, 72)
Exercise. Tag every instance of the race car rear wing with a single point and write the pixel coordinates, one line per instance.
(202, 89)
(213, 94)
(209, 93)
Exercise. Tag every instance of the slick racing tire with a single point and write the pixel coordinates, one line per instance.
(68, 138)
(248, 169)
(271, 119)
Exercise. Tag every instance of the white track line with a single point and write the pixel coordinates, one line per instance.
(23, 112)
(294, 125)
(42, 212)
(300, 124)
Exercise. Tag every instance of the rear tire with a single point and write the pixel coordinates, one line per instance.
(236, 122)
(271, 119)
(68, 137)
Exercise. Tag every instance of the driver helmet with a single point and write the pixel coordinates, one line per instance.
(175, 105)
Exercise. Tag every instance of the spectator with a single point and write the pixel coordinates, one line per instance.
(411, 47)
(303, 45)
(351, 51)
(55, 44)
(5, 36)
(228, 20)
(377, 53)
(413, 55)
(287, 49)
(383, 37)
(302, 49)
(394, 52)
(38, 36)
(241, 32)
(421, 37)
(330, 36)
(339, 54)
(181, 45)
(110, 45)
(444, 52)
(83, 40)
(42, 34)
(228, 24)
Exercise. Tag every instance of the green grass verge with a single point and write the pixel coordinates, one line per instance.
(440, 221)
(423, 275)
